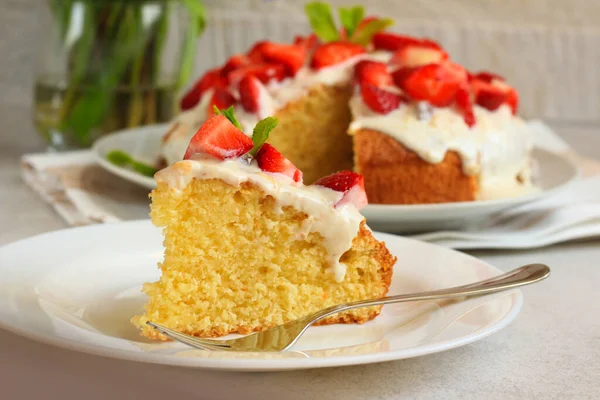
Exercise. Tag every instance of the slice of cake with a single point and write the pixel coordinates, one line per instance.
(248, 246)
(419, 127)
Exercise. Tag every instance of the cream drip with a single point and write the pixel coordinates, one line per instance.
(496, 149)
(338, 225)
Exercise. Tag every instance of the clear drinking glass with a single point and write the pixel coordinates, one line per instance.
(105, 65)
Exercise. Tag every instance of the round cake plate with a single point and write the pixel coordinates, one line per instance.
(78, 288)
(555, 173)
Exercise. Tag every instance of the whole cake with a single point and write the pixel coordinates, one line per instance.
(248, 246)
(419, 127)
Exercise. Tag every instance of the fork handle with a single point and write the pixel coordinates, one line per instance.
(525, 275)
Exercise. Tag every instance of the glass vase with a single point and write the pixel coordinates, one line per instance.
(107, 65)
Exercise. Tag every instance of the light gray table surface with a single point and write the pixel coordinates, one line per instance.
(551, 351)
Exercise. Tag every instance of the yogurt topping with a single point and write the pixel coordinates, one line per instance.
(338, 225)
(496, 149)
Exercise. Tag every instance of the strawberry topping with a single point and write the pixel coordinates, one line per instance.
(415, 55)
(221, 98)
(487, 76)
(270, 160)
(465, 105)
(379, 100)
(491, 92)
(249, 89)
(309, 42)
(401, 74)
(373, 72)
(219, 138)
(255, 54)
(512, 99)
(291, 56)
(334, 53)
(234, 62)
(351, 184)
(435, 83)
(392, 42)
(264, 72)
(209, 80)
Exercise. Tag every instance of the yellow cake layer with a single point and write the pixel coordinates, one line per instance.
(312, 132)
(234, 264)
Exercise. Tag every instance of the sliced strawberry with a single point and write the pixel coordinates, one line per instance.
(401, 74)
(379, 100)
(487, 76)
(513, 100)
(488, 96)
(373, 72)
(219, 138)
(465, 105)
(351, 184)
(249, 88)
(264, 73)
(235, 62)
(391, 41)
(209, 79)
(435, 83)
(221, 98)
(291, 56)
(491, 91)
(415, 55)
(309, 42)
(334, 53)
(255, 54)
(270, 160)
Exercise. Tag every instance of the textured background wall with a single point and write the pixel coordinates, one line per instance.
(549, 49)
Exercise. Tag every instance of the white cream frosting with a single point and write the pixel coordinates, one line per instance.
(338, 225)
(496, 148)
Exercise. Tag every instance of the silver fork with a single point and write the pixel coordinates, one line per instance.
(282, 337)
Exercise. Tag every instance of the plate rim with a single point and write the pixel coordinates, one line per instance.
(257, 364)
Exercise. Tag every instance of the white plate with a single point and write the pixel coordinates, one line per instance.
(78, 288)
(142, 143)
(556, 172)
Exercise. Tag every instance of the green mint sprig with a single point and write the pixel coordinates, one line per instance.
(320, 18)
(229, 114)
(366, 33)
(350, 18)
(322, 22)
(261, 132)
(122, 159)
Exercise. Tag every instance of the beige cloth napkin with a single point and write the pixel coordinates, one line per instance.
(81, 191)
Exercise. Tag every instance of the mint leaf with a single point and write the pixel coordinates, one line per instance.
(351, 18)
(119, 158)
(365, 35)
(144, 169)
(122, 159)
(321, 20)
(230, 115)
(261, 131)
